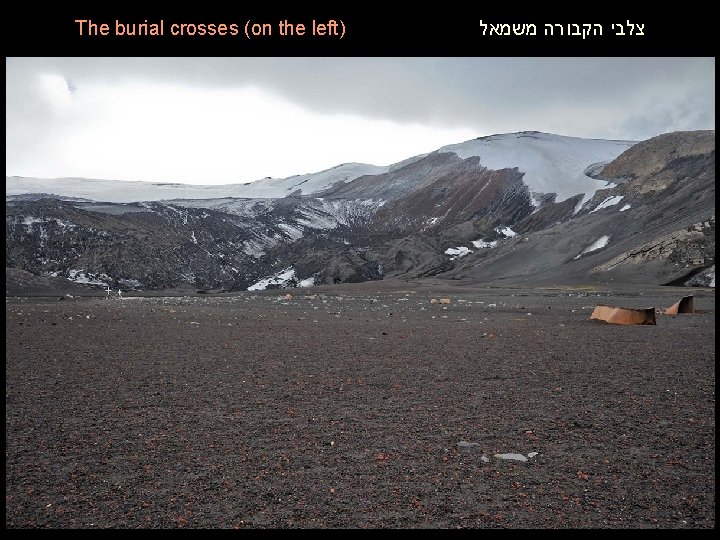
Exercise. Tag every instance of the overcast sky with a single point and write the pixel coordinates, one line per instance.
(226, 120)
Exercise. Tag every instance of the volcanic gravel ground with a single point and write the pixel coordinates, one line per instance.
(359, 409)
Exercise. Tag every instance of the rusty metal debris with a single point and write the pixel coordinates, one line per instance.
(620, 315)
(685, 305)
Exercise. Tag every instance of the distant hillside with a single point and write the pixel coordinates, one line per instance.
(526, 208)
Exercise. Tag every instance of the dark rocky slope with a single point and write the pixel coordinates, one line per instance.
(654, 225)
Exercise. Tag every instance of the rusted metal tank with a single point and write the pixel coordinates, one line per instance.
(620, 315)
(685, 305)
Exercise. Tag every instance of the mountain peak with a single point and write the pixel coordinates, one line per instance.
(550, 163)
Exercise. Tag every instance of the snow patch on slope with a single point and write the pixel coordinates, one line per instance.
(551, 163)
(293, 233)
(505, 231)
(597, 244)
(609, 201)
(281, 278)
(480, 243)
(81, 276)
(457, 252)
(32, 220)
(309, 282)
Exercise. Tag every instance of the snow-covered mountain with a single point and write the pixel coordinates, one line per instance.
(550, 163)
(122, 191)
(550, 166)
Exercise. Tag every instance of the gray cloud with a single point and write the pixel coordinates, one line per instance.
(623, 98)
(484, 93)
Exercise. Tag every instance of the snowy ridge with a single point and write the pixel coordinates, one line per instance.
(122, 191)
(551, 163)
(271, 188)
